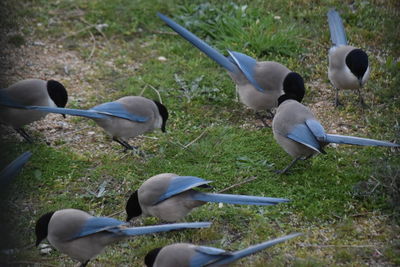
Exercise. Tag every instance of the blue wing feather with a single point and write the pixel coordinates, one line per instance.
(246, 64)
(207, 255)
(211, 250)
(118, 110)
(317, 129)
(302, 134)
(180, 184)
(99, 224)
(14, 168)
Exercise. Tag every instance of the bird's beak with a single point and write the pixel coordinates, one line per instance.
(64, 115)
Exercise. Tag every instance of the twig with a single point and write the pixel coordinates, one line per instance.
(115, 213)
(158, 93)
(161, 32)
(312, 41)
(75, 131)
(95, 26)
(94, 45)
(177, 143)
(194, 140)
(75, 33)
(150, 137)
(238, 184)
(144, 89)
(152, 87)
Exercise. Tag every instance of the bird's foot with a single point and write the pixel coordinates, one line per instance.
(338, 103)
(363, 105)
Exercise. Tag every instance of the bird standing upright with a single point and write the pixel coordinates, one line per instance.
(301, 135)
(348, 66)
(171, 197)
(31, 92)
(82, 236)
(188, 255)
(259, 84)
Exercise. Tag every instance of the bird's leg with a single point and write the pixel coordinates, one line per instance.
(24, 134)
(83, 264)
(362, 103)
(129, 147)
(123, 143)
(288, 166)
(262, 119)
(337, 102)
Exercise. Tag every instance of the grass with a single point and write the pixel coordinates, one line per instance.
(345, 202)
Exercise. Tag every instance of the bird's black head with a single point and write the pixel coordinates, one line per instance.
(293, 88)
(42, 226)
(133, 208)
(164, 114)
(57, 93)
(357, 62)
(151, 257)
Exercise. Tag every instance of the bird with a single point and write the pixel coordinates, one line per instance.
(82, 236)
(301, 135)
(30, 92)
(348, 65)
(13, 169)
(171, 197)
(189, 255)
(124, 118)
(259, 84)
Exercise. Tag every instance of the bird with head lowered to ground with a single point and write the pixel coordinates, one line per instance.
(171, 197)
(189, 255)
(301, 135)
(124, 118)
(83, 236)
(258, 83)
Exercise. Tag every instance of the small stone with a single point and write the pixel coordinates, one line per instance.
(162, 58)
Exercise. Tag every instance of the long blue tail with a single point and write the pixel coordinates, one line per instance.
(253, 249)
(338, 35)
(200, 44)
(8, 102)
(13, 169)
(342, 139)
(237, 199)
(69, 111)
(163, 228)
(102, 111)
